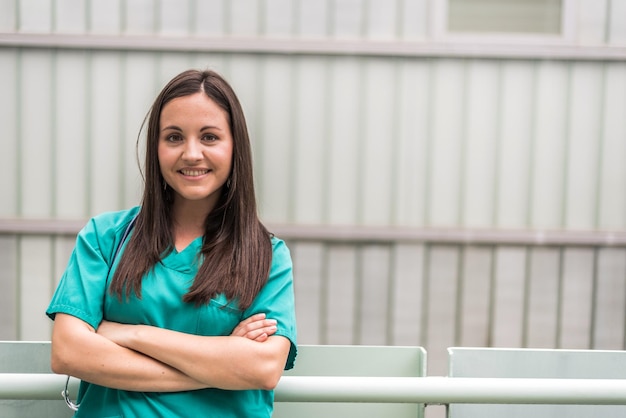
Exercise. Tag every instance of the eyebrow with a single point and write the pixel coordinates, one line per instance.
(204, 128)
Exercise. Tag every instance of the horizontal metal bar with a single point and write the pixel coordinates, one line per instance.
(452, 236)
(39, 386)
(266, 45)
(429, 390)
(40, 226)
(380, 235)
(449, 390)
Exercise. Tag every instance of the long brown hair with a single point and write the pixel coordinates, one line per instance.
(236, 247)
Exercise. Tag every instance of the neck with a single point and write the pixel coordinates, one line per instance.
(188, 219)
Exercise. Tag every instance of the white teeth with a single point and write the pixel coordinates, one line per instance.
(194, 173)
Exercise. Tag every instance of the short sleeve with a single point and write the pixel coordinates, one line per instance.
(276, 298)
(81, 291)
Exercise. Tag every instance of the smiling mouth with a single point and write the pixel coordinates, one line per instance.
(193, 173)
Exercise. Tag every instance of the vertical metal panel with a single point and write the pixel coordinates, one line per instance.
(71, 135)
(343, 154)
(341, 303)
(276, 163)
(550, 109)
(475, 289)
(447, 136)
(308, 291)
(441, 308)
(174, 17)
(612, 197)
(407, 295)
(313, 18)
(140, 17)
(584, 138)
(592, 15)
(382, 19)
(10, 111)
(616, 25)
(245, 75)
(35, 16)
(106, 16)
(309, 140)
(348, 19)
(139, 90)
(210, 17)
(481, 143)
(279, 17)
(36, 123)
(374, 295)
(9, 280)
(377, 143)
(509, 285)
(244, 17)
(576, 306)
(8, 15)
(414, 19)
(561, 279)
(104, 134)
(411, 142)
(610, 320)
(168, 65)
(543, 300)
(35, 268)
(515, 144)
(69, 16)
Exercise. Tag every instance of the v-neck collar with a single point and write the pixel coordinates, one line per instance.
(186, 260)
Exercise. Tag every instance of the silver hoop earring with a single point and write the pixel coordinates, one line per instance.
(228, 183)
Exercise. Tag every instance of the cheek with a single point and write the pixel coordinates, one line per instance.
(164, 157)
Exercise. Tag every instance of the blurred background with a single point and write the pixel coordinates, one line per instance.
(446, 172)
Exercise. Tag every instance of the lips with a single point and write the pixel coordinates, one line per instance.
(193, 172)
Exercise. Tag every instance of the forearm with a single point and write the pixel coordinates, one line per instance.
(227, 362)
(78, 351)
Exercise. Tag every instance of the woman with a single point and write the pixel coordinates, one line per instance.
(198, 319)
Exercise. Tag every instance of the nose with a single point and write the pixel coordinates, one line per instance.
(192, 150)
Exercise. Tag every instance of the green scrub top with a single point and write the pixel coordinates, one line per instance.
(80, 293)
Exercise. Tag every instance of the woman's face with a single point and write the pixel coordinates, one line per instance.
(195, 149)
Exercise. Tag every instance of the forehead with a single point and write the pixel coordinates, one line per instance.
(195, 108)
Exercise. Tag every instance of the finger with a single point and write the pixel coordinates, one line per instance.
(243, 329)
(253, 318)
(240, 329)
(260, 332)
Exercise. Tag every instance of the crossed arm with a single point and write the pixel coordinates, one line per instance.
(151, 359)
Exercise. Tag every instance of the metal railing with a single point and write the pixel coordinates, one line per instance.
(428, 390)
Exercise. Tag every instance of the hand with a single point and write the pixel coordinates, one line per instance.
(256, 328)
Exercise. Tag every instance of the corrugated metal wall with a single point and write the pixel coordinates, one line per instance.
(362, 126)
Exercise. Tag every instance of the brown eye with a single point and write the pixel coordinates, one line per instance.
(173, 138)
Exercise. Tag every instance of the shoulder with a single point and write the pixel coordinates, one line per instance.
(281, 257)
(104, 229)
(279, 248)
(108, 220)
